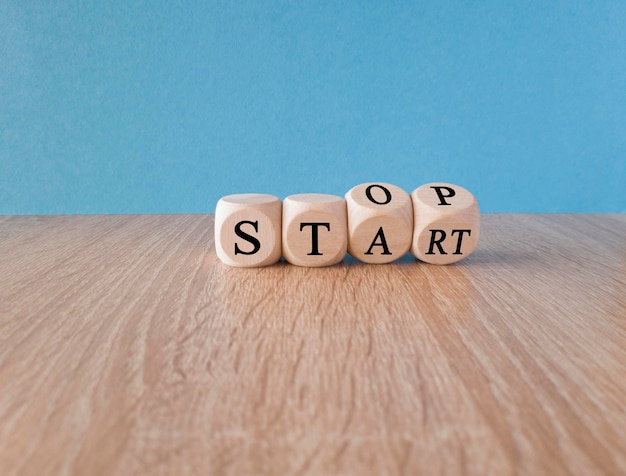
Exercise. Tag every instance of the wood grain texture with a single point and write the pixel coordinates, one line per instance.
(126, 347)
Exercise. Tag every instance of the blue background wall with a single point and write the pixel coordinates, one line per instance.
(159, 107)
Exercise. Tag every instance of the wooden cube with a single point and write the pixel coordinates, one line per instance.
(248, 229)
(315, 229)
(447, 223)
(380, 222)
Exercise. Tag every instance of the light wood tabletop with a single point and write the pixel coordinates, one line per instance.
(127, 347)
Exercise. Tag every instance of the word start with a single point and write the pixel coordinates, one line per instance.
(438, 223)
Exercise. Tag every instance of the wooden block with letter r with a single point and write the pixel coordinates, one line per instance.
(380, 222)
(248, 229)
(447, 223)
(315, 229)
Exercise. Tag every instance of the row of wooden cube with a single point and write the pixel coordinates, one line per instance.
(375, 222)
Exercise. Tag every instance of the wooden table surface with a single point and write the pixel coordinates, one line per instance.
(126, 347)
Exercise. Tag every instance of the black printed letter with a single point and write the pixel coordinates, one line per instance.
(434, 242)
(242, 234)
(442, 197)
(314, 236)
(458, 243)
(383, 243)
(368, 194)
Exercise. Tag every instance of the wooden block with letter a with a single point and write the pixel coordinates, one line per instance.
(380, 222)
(315, 229)
(248, 229)
(447, 223)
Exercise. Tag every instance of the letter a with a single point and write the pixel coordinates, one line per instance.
(383, 242)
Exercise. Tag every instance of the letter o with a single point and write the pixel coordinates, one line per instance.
(368, 194)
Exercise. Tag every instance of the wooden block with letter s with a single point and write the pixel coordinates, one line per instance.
(447, 223)
(248, 229)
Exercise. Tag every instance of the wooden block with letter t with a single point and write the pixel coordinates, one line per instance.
(380, 222)
(315, 229)
(447, 223)
(248, 229)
